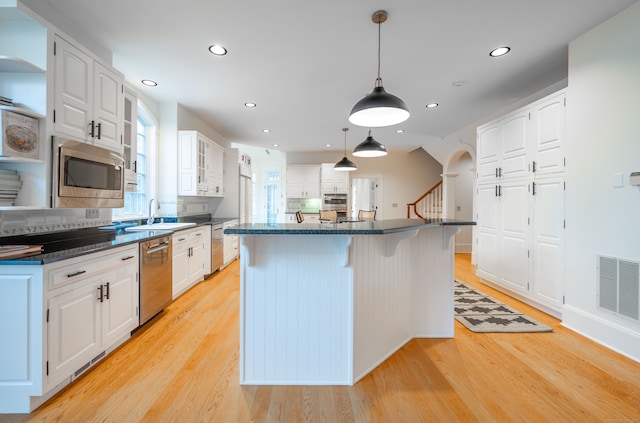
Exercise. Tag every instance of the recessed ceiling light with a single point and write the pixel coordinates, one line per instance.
(149, 82)
(276, 145)
(432, 105)
(500, 51)
(217, 50)
(251, 105)
(327, 145)
(266, 131)
(399, 131)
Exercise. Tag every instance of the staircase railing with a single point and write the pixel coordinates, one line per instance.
(429, 205)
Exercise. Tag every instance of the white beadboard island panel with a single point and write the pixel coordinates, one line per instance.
(326, 304)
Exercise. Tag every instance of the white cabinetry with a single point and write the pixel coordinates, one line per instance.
(333, 182)
(130, 140)
(57, 320)
(231, 243)
(200, 165)
(303, 181)
(215, 169)
(88, 97)
(191, 248)
(520, 202)
(92, 304)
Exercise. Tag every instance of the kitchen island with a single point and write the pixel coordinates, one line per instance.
(324, 304)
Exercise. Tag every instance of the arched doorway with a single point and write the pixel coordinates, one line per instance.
(459, 184)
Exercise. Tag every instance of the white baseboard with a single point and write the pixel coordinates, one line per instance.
(463, 248)
(609, 334)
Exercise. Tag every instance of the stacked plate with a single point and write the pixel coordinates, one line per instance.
(10, 185)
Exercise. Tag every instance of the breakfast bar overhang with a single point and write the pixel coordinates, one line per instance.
(324, 304)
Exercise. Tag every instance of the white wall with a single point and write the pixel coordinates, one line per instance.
(603, 138)
(405, 176)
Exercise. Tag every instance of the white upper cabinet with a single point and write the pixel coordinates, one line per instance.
(333, 182)
(547, 135)
(200, 165)
(88, 97)
(303, 181)
(502, 148)
(130, 140)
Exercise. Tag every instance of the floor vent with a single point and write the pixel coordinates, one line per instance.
(619, 286)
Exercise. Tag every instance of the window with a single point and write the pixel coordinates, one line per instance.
(136, 203)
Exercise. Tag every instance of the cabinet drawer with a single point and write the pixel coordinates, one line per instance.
(78, 268)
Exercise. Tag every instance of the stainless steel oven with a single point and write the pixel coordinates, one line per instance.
(337, 202)
(86, 176)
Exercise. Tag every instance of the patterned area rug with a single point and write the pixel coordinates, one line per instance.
(480, 313)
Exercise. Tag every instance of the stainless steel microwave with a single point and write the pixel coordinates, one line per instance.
(86, 176)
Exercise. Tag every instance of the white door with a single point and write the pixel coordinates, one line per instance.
(74, 329)
(514, 162)
(108, 105)
(514, 221)
(119, 310)
(73, 88)
(488, 248)
(548, 242)
(548, 136)
(364, 195)
(489, 151)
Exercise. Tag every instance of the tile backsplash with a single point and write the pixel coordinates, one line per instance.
(49, 220)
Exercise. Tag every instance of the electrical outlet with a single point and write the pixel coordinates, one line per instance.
(93, 213)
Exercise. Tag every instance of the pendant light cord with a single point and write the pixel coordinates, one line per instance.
(379, 50)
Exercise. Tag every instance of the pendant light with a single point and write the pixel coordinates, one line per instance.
(345, 165)
(379, 108)
(370, 148)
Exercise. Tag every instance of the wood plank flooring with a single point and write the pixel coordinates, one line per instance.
(184, 368)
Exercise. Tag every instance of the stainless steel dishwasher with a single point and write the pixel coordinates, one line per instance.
(155, 277)
(217, 247)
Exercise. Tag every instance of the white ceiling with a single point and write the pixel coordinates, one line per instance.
(306, 63)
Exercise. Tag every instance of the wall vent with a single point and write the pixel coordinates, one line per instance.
(619, 286)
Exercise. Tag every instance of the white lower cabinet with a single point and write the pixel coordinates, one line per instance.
(231, 244)
(520, 239)
(191, 247)
(58, 319)
(95, 311)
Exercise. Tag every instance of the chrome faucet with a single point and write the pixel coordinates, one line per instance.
(151, 219)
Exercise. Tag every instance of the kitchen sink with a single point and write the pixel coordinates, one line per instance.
(160, 226)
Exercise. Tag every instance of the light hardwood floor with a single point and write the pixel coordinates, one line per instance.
(184, 368)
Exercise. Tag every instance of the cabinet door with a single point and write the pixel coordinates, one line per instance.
(196, 260)
(311, 177)
(548, 136)
(489, 140)
(74, 330)
(73, 90)
(295, 183)
(489, 255)
(120, 307)
(107, 111)
(514, 221)
(180, 264)
(130, 140)
(514, 162)
(342, 182)
(201, 163)
(187, 163)
(548, 242)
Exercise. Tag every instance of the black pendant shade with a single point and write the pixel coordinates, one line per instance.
(370, 148)
(345, 165)
(379, 108)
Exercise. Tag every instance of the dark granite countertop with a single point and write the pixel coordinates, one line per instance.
(377, 227)
(68, 244)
